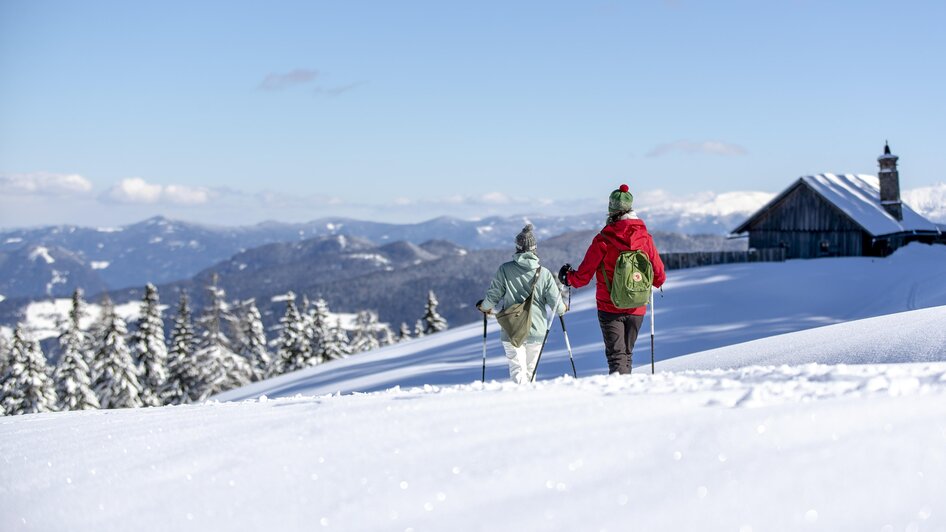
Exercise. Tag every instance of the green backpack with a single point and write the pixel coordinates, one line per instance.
(633, 277)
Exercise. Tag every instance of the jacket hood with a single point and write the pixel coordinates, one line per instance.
(528, 260)
(623, 228)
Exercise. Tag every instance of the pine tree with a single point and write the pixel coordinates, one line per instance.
(6, 353)
(338, 344)
(114, 375)
(73, 376)
(294, 351)
(97, 328)
(253, 340)
(419, 328)
(320, 330)
(27, 387)
(148, 348)
(365, 336)
(219, 366)
(404, 333)
(433, 321)
(183, 379)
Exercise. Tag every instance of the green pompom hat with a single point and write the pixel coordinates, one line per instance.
(620, 200)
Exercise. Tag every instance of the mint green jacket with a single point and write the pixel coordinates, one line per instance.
(511, 285)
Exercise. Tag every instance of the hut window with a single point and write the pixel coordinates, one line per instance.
(825, 246)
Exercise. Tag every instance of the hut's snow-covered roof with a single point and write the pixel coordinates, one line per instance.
(857, 196)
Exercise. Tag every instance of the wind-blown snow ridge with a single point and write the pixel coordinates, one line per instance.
(751, 386)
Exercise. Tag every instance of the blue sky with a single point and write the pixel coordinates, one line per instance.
(237, 112)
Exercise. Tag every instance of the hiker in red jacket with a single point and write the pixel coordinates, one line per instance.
(624, 231)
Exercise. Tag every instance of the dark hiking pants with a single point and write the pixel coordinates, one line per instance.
(620, 333)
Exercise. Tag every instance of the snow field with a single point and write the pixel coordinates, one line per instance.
(762, 448)
(701, 309)
(765, 426)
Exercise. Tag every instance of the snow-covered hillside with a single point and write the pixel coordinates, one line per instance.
(700, 309)
(757, 447)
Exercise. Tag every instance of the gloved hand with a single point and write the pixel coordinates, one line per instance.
(479, 307)
(563, 273)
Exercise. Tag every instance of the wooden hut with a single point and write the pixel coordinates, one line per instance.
(830, 215)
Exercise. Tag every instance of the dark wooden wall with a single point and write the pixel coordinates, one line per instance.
(679, 261)
(801, 221)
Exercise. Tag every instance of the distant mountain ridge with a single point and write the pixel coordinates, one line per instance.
(161, 250)
(929, 201)
(354, 274)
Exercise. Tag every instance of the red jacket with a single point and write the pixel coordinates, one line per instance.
(634, 234)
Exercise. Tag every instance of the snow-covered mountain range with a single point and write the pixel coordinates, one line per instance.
(352, 274)
(160, 250)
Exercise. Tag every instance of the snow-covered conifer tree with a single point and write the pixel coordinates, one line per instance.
(149, 350)
(320, 330)
(97, 329)
(338, 344)
(294, 349)
(419, 328)
(27, 387)
(73, 376)
(183, 379)
(5, 356)
(365, 335)
(433, 321)
(114, 374)
(404, 333)
(219, 366)
(253, 345)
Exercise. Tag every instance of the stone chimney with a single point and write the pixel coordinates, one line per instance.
(890, 184)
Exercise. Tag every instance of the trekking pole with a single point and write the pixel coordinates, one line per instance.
(568, 345)
(652, 332)
(484, 347)
(547, 331)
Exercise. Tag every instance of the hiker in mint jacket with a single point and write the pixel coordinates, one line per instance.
(511, 285)
(624, 231)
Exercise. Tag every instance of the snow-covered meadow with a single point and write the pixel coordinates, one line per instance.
(813, 397)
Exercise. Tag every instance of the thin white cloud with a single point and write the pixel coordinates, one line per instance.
(495, 198)
(271, 199)
(137, 190)
(44, 184)
(299, 76)
(709, 147)
(182, 195)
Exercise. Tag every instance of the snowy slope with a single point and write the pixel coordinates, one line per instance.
(701, 309)
(759, 449)
(916, 336)
(754, 448)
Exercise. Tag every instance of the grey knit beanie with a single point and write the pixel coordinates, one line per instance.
(525, 240)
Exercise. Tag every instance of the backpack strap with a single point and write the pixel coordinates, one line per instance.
(535, 279)
(604, 273)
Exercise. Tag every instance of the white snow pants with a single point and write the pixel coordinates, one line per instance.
(522, 360)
